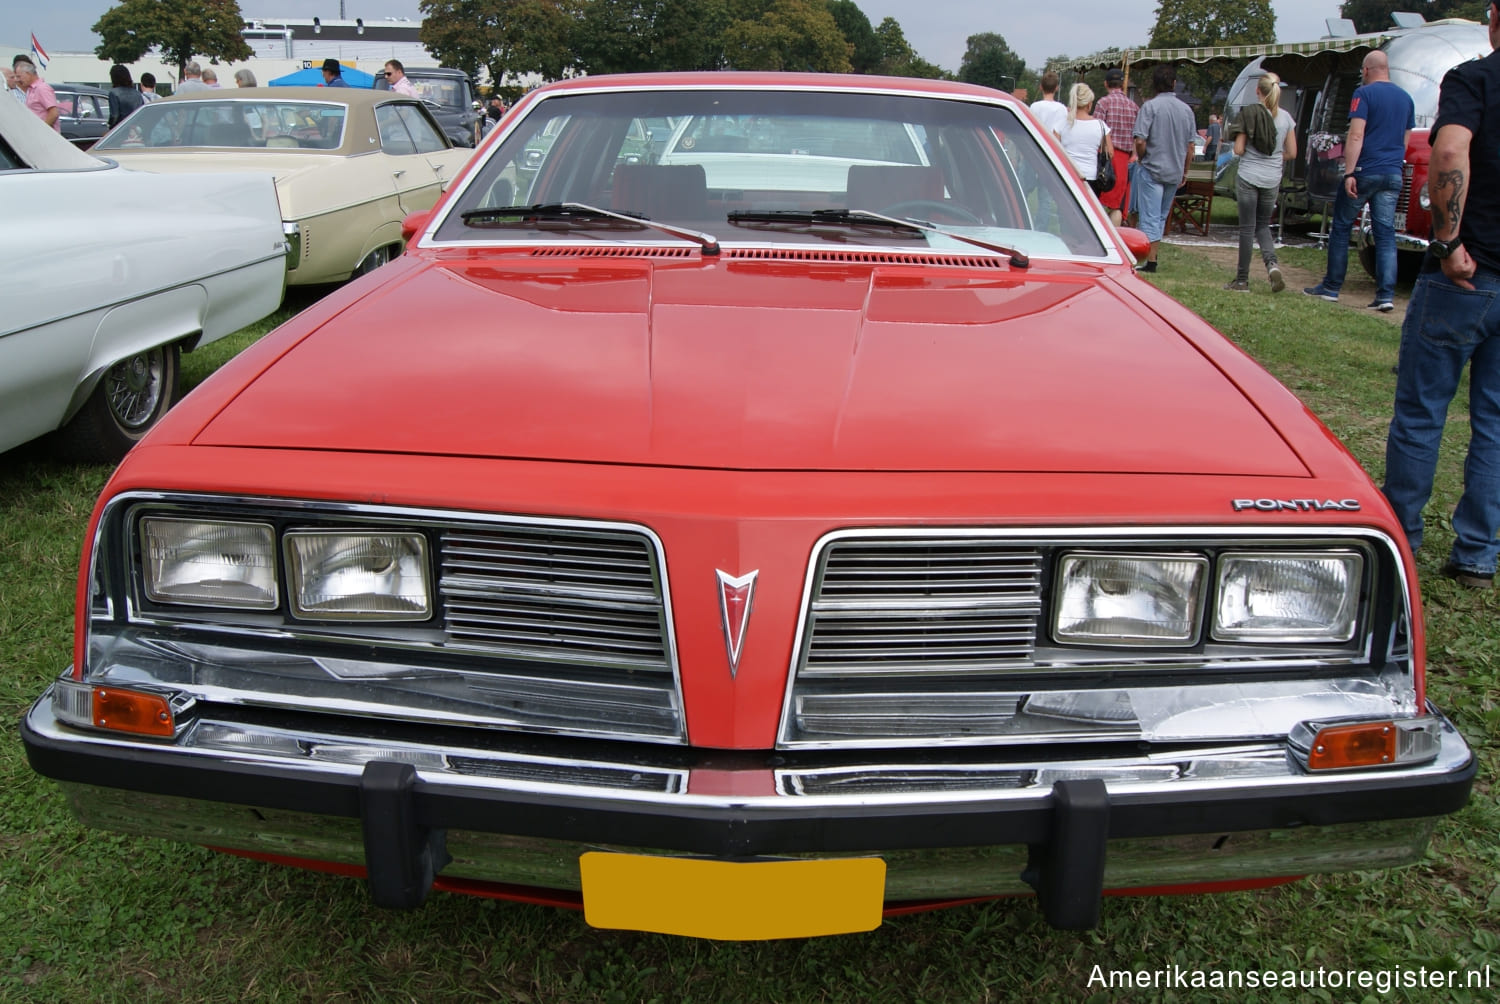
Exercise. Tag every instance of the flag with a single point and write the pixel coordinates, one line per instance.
(38, 54)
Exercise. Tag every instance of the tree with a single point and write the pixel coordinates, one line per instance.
(181, 29)
(635, 36)
(790, 35)
(1186, 23)
(504, 36)
(989, 61)
(898, 58)
(1375, 15)
(864, 51)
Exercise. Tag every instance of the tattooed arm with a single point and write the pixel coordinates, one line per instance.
(1448, 185)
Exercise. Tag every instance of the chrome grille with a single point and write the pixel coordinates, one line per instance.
(579, 596)
(934, 606)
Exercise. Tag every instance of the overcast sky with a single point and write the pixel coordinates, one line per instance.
(937, 29)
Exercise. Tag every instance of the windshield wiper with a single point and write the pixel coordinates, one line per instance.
(781, 218)
(863, 217)
(579, 214)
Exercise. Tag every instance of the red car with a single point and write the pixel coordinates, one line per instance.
(809, 518)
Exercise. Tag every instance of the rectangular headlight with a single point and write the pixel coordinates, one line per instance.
(358, 575)
(213, 563)
(1129, 599)
(1285, 597)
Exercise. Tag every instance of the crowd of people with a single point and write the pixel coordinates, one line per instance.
(1453, 319)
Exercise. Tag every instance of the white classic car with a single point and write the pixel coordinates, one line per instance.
(111, 275)
(349, 163)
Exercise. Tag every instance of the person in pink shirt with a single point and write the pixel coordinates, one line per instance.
(395, 75)
(40, 97)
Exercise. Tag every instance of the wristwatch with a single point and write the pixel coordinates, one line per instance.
(1442, 249)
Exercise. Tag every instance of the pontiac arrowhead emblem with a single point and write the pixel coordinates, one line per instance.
(735, 596)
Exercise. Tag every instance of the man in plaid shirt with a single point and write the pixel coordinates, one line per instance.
(1118, 112)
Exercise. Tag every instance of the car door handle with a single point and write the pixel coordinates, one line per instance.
(397, 174)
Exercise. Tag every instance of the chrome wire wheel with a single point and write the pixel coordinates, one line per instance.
(134, 389)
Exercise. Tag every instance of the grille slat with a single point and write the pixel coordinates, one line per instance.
(923, 606)
(589, 596)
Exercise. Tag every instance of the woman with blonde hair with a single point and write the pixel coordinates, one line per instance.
(1265, 137)
(1082, 135)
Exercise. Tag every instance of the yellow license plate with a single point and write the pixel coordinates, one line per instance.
(732, 900)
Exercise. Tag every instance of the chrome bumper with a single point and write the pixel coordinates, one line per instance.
(962, 824)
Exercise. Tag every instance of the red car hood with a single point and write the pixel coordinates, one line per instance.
(757, 365)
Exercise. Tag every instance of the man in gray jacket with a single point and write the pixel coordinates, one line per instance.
(1164, 134)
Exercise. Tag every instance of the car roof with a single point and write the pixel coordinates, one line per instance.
(759, 80)
(80, 89)
(356, 97)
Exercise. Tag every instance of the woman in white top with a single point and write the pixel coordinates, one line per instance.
(1083, 136)
(1264, 141)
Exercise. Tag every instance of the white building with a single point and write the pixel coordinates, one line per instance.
(281, 46)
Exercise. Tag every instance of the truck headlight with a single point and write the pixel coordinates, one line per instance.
(358, 575)
(1286, 597)
(1424, 199)
(215, 563)
(1129, 599)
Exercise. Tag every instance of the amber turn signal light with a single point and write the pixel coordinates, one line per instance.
(1339, 747)
(132, 711)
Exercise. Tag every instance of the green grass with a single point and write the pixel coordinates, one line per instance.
(91, 915)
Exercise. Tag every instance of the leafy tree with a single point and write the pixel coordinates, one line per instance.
(504, 36)
(865, 50)
(790, 35)
(1375, 15)
(898, 58)
(634, 36)
(181, 29)
(989, 61)
(1184, 23)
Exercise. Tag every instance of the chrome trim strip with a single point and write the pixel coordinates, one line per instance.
(1136, 536)
(1194, 773)
(1102, 230)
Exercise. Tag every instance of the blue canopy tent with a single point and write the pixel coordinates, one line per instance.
(312, 76)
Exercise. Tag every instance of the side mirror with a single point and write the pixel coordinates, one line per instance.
(413, 224)
(1136, 241)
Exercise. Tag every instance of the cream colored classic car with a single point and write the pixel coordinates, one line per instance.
(349, 163)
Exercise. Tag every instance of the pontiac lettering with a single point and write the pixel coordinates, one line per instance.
(1296, 505)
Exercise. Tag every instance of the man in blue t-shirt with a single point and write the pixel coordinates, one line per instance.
(1381, 116)
(1453, 320)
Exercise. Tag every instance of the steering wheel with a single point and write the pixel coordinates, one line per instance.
(956, 211)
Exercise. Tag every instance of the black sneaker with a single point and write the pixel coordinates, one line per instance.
(1464, 577)
(1150, 266)
(1384, 306)
(1321, 293)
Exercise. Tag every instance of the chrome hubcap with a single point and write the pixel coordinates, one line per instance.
(134, 388)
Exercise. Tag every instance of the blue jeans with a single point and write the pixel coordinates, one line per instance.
(1381, 192)
(1447, 326)
(1153, 204)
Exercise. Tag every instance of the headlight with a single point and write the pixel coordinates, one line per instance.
(1279, 596)
(209, 563)
(1423, 198)
(366, 576)
(1130, 599)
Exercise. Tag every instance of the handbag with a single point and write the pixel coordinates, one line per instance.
(1104, 177)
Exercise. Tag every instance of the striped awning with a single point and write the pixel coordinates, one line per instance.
(1128, 58)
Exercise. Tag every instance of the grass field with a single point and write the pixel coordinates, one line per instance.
(89, 915)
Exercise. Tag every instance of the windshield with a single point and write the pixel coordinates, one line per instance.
(701, 159)
(238, 124)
